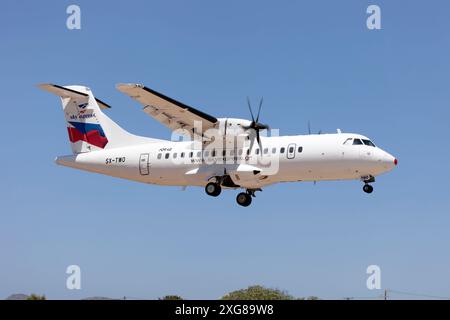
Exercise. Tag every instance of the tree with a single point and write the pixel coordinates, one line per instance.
(171, 297)
(36, 297)
(257, 293)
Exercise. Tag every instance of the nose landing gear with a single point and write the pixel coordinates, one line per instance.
(367, 188)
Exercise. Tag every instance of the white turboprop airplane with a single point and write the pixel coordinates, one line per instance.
(219, 154)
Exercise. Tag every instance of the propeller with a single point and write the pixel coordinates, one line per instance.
(255, 125)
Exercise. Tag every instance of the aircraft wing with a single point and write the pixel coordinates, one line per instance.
(171, 113)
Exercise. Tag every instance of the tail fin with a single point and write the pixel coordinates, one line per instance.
(88, 127)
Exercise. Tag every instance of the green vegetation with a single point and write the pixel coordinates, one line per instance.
(36, 297)
(251, 293)
(309, 298)
(258, 293)
(171, 297)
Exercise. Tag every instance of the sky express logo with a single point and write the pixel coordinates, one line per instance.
(82, 108)
(83, 112)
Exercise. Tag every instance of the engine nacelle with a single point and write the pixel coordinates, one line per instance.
(228, 132)
(232, 126)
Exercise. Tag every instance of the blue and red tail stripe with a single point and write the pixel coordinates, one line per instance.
(89, 132)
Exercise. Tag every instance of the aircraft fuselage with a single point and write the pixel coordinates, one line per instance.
(287, 159)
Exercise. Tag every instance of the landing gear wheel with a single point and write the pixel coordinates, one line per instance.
(244, 199)
(213, 189)
(368, 188)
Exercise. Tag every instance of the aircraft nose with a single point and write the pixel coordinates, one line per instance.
(388, 160)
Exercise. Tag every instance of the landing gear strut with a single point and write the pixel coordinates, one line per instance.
(213, 189)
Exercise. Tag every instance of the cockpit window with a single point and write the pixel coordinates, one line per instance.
(368, 142)
(357, 142)
(348, 141)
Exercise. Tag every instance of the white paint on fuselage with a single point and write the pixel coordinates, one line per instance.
(323, 157)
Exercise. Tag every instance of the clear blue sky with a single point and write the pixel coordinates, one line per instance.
(311, 60)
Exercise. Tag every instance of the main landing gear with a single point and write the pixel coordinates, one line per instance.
(244, 199)
(367, 188)
(213, 189)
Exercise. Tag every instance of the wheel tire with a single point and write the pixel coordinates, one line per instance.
(244, 199)
(368, 188)
(213, 189)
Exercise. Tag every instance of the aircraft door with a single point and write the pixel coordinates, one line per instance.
(290, 154)
(144, 165)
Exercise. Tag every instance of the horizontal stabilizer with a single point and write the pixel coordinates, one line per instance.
(69, 93)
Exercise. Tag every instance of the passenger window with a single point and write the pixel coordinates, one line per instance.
(213, 153)
(357, 142)
(282, 150)
(274, 150)
(300, 149)
(167, 155)
(206, 153)
(191, 154)
(291, 149)
(231, 152)
(266, 150)
(248, 152)
(240, 152)
(199, 154)
(159, 155)
(257, 151)
(182, 155)
(175, 155)
(224, 153)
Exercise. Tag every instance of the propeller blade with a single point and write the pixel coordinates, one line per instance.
(255, 126)
(250, 108)
(259, 109)
(258, 139)
(309, 127)
(252, 139)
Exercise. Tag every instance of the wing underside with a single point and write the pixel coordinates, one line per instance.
(173, 114)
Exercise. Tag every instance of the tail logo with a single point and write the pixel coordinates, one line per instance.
(82, 107)
(91, 133)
